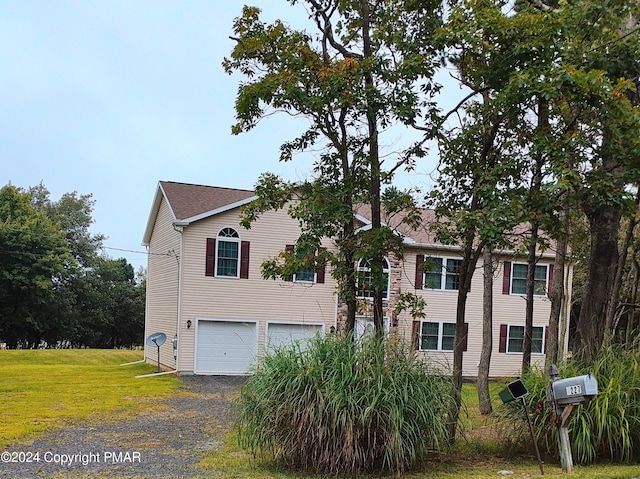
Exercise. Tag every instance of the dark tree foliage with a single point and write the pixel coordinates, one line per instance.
(56, 289)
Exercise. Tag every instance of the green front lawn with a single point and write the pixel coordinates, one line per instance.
(47, 389)
(42, 390)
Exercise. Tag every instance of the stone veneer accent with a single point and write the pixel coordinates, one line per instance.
(364, 306)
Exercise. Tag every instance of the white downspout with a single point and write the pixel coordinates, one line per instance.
(178, 256)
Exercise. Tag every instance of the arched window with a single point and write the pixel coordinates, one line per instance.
(228, 253)
(365, 289)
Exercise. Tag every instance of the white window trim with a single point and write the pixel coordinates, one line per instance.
(386, 271)
(294, 277)
(523, 326)
(440, 335)
(546, 281)
(228, 239)
(443, 273)
(305, 281)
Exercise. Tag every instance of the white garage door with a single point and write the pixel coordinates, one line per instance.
(225, 347)
(286, 333)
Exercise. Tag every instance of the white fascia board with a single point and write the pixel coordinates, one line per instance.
(446, 247)
(217, 211)
(361, 218)
(509, 252)
(367, 227)
(433, 246)
(155, 207)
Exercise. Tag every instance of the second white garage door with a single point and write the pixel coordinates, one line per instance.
(225, 347)
(286, 333)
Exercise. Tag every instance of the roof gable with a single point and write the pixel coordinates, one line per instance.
(189, 202)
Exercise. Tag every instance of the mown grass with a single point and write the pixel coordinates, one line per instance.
(481, 453)
(229, 461)
(43, 390)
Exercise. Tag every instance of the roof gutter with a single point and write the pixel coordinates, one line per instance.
(446, 247)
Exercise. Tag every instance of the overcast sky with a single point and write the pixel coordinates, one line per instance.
(109, 97)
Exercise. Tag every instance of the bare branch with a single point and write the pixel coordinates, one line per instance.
(327, 29)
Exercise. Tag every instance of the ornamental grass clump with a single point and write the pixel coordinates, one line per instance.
(339, 407)
(606, 428)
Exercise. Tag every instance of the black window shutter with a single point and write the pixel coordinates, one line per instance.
(506, 279)
(289, 249)
(415, 335)
(320, 270)
(210, 261)
(244, 260)
(419, 271)
(502, 345)
(465, 336)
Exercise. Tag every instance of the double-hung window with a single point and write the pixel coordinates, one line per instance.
(441, 273)
(226, 256)
(312, 273)
(228, 253)
(305, 276)
(365, 282)
(519, 279)
(515, 339)
(439, 336)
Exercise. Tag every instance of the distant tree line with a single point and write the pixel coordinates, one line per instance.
(56, 287)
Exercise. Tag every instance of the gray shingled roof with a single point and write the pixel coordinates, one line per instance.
(187, 200)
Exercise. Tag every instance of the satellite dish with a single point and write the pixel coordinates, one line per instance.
(157, 339)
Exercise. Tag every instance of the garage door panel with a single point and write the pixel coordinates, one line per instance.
(279, 334)
(225, 347)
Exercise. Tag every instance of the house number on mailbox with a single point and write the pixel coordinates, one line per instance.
(574, 390)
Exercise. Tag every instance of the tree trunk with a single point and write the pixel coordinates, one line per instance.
(528, 318)
(374, 163)
(634, 298)
(605, 222)
(612, 307)
(467, 268)
(534, 196)
(484, 398)
(350, 280)
(556, 292)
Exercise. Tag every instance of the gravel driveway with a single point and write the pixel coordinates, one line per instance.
(167, 444)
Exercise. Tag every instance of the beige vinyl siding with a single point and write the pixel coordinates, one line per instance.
(162, 286)
(442, 306)
(253, 299)
(510, 309)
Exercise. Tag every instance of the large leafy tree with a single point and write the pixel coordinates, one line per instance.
(478, 193)
(33, 262)
(615, 166)
(547, 123)
(57, 289)
(73, 214)
(355, 76)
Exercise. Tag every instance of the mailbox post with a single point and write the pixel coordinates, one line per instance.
(564, 395)
(517, 390)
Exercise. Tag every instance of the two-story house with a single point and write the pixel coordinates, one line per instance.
(205, 290)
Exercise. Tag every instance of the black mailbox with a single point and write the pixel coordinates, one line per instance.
(514, 390)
